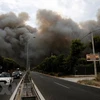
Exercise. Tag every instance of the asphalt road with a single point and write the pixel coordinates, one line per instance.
(6, 92)
(57, 89)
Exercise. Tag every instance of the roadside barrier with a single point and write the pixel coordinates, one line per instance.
(37, 92)
(18, 89)
(26, 90)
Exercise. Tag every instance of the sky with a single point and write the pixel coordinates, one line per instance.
(77, 10)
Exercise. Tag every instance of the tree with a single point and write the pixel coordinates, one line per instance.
(9, 64)
(60, 63)
(75, 53)
(96, 43)
(53, 64)
(47, 65)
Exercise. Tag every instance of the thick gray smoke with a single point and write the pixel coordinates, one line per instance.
(14, 35)
(53, 35)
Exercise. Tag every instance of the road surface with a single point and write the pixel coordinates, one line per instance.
(6, 92)
(57, 89)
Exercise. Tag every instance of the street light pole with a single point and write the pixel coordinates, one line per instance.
(27, 65)
(95, 69)
(27, 47)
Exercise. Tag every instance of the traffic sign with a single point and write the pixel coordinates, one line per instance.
(92, 57)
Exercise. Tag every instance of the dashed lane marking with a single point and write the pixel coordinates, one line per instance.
(61, 85)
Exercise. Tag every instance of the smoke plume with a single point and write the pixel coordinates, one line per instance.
(53, 35)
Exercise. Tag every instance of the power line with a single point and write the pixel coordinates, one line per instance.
(95, 70)
(85, 36)
(89, 33)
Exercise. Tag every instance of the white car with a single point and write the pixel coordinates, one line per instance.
(5, 79)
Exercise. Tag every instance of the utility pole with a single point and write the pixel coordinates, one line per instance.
(94, 61)
(95, 69)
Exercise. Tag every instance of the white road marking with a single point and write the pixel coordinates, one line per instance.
(39, 93)
(61, 85)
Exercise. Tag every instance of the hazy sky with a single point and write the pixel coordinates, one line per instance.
(78, 10)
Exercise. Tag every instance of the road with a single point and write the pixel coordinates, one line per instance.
(6, 92)
(57, 89)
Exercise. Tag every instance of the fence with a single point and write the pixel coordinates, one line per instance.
(86, 70)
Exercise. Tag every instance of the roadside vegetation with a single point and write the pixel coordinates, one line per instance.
(8, 64)
(93, 82)
(61, 65)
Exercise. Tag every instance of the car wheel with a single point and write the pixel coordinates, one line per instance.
(10, 85)
(0, 86)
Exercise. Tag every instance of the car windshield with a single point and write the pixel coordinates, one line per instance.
(5, 75)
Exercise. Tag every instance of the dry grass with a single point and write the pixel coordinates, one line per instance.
(98, 78)
(94, 82)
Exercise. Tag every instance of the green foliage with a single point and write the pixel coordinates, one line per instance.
(96, 43)
(82, 61)
(8, 64)
(76, 49)
(53, 64)
(11, 63)
(60, 64)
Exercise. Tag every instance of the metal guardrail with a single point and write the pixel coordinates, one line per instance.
(13, 97)
(30, 90)
(37, 92)
(26, 90)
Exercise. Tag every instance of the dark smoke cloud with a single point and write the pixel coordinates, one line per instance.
(53, 35)
(14, 34)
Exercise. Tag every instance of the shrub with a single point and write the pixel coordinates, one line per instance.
(98, 77)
